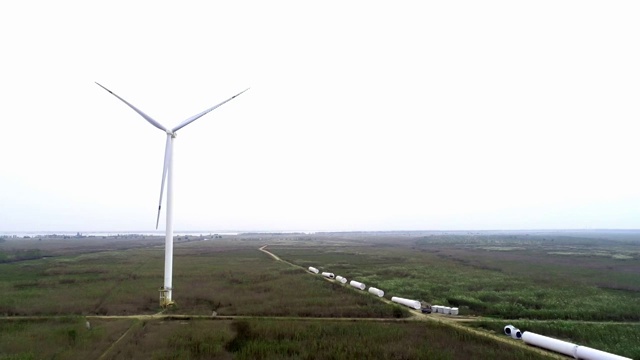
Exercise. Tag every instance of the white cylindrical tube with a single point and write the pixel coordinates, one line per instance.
(587, 353)
(328, 275)
(509, 329)
(313, 270)
(435, 309)
(414, 304)
(341, 279)
(357, 284)
(548, 343)
(516, 334)
(377, 292)
(447, 310)
(454, 311)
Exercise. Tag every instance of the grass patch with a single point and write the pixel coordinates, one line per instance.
(58, 339)
(208, 276)
(523, 282)
(362, 340)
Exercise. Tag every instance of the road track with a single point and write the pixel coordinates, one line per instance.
(112, 346)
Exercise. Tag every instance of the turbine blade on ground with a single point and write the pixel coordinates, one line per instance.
(196, 117)
(147, 117)
(165, 168)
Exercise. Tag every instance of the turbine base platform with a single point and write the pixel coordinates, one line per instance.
(165, 298)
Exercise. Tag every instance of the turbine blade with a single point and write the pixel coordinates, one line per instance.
(165, 168)
(145, 116)
(197, 116)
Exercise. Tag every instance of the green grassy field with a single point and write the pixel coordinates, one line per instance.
(228, 278)
(245, 339)
(65, 338)
(502, 277)
(539, 279)
(492, 276)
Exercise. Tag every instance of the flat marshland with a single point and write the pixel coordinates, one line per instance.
(558, 284)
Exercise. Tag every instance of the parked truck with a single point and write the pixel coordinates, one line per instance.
(425, 307)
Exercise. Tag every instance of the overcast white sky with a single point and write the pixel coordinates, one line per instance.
(361, 115)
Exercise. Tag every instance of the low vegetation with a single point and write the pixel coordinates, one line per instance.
(64, 338)
(569, 286)
(246, 339)
(227, 278)
(363, 340)
(19, 255)
(519, 280)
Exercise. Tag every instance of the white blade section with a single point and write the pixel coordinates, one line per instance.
(196, 117)
(165, 168)
(147, 117)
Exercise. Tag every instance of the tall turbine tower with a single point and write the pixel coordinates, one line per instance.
(166, 290)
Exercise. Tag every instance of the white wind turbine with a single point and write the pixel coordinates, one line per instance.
(165, 291)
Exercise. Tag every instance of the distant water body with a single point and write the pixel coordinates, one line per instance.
(110, 233)
(145, 233)
(309, 232)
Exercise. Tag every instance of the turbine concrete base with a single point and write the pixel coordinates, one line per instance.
(165, 298)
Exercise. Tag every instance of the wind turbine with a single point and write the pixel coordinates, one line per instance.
(166, 290)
